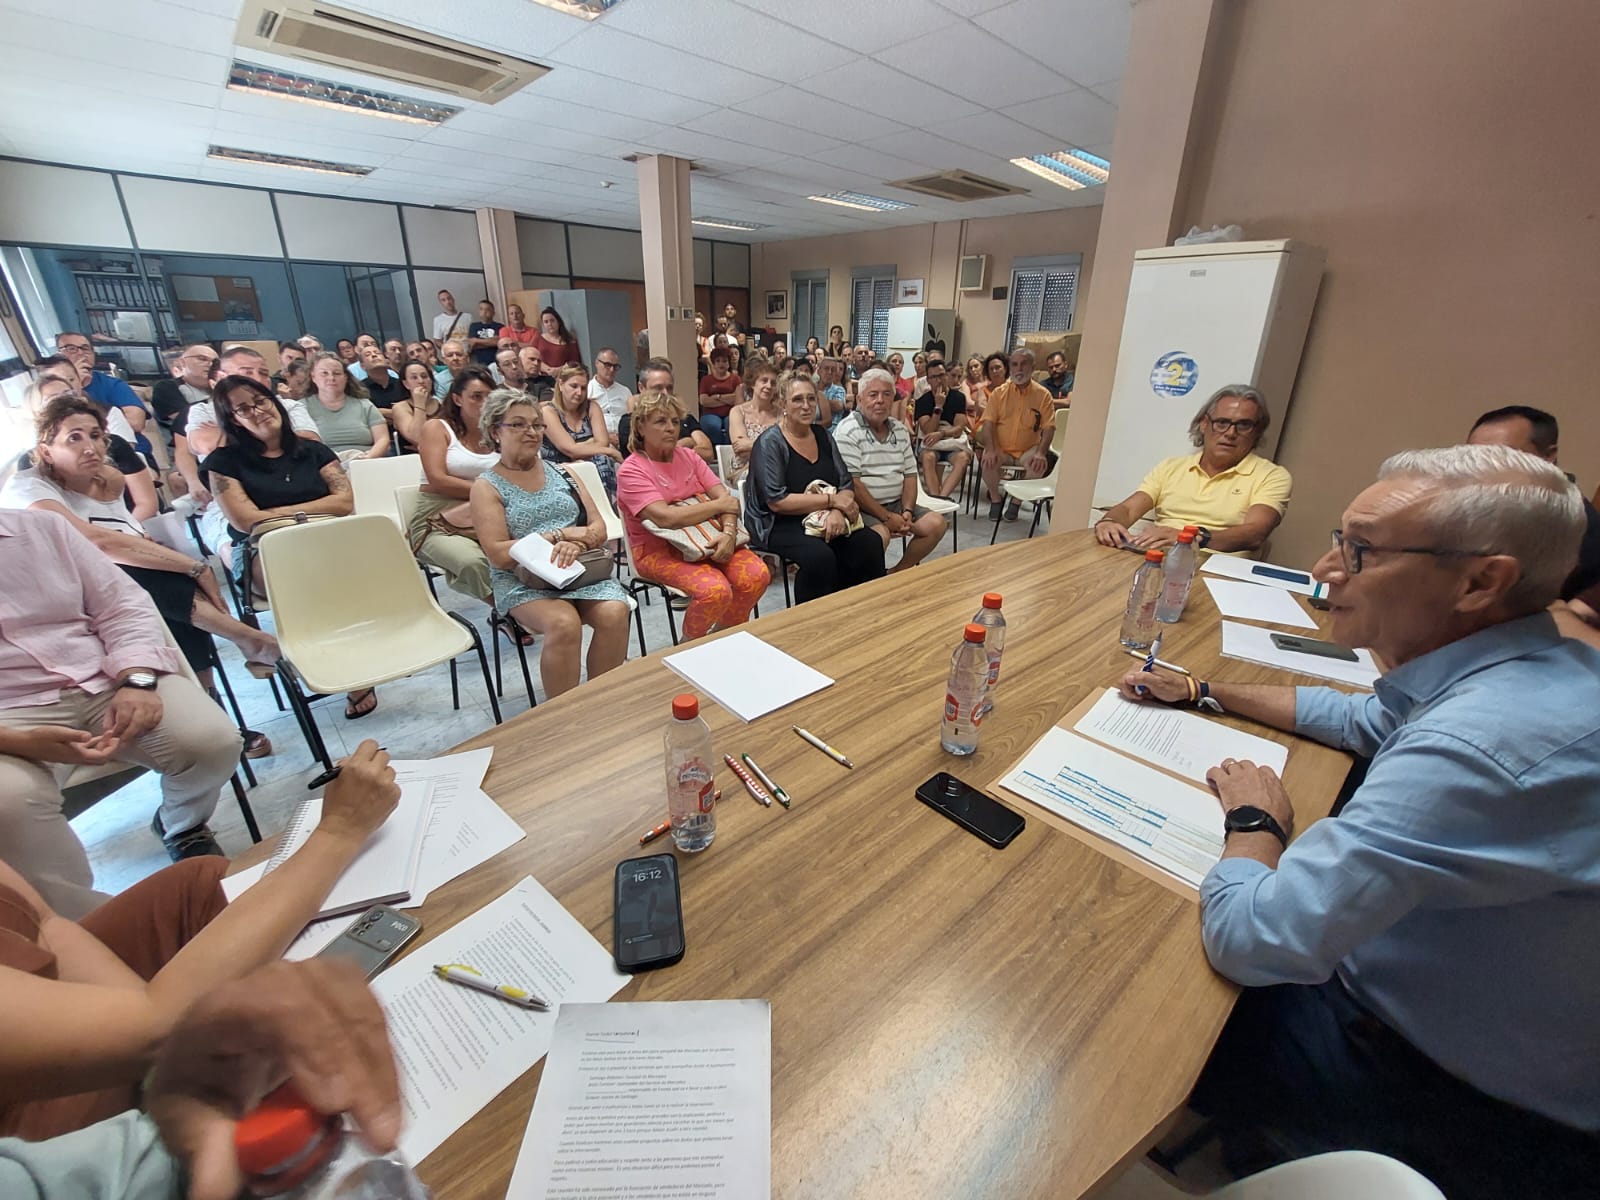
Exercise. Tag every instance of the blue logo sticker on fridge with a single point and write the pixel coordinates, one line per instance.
(1174, 374)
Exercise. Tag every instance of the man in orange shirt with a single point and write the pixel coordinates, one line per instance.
(1015, 430)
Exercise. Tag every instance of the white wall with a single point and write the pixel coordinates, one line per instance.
(439, 237)
(60, 206)
(345, 231)
(201, 218)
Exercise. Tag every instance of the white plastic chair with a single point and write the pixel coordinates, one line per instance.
(1039, 492)
(589, 475)
(374, 481)
(941, 504)
(352, 612)
(724, 463)
(1340, 1175)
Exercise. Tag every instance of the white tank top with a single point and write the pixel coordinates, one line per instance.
(464, 463)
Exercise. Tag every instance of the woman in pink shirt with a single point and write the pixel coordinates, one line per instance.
(722, 587)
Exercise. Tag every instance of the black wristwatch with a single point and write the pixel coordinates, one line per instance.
(1247, 818)
(144, 681)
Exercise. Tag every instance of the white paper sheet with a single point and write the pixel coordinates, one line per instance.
(467, 830)
(456, 1048)
(1182, 742)
(1256, 572)
(1254, 644)
(746, 676)
(663, 1099)
(537, 554)
(1173, 825)
(1249, 602)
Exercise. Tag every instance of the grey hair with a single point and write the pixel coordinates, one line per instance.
(1496, 500)
(495, 407)
(1025, 351)
(874, 374)
(1239, 391)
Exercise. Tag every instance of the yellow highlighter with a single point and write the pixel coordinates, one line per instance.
(471, 977)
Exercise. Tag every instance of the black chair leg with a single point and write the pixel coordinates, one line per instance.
(783, 569)
(1038, 507)
(638, 620)
(672, 621)
(301, 705)
(483, 662)
(455, 684)
(494, 636)
(996, 532)
(245, 810)
(238, 717)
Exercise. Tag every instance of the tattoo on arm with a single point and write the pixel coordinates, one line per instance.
(338, 482)
(220, 484)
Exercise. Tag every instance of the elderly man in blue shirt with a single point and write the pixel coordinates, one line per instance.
(1421, 973)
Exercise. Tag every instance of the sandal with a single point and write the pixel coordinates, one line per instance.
(256, 744)
(356, 704)
(261, 670)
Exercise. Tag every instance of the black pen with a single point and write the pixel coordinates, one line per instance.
(328, 776)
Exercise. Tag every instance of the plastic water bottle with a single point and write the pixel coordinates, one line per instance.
(964, 693)
(691, 781)
(1139, 621)
(288, 1150)
(1177, 578)
(994, 643)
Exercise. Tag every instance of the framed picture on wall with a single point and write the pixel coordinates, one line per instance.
(777, 306)
(908, 291)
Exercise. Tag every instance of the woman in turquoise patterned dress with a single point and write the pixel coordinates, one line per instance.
(522, 494)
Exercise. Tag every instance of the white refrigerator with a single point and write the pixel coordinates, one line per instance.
(912, 327)
(1199, 317)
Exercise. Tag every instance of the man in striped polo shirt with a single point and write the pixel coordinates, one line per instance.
(876, 448)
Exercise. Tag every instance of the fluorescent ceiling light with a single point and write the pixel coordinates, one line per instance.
(1074, 169)
(860, 200)
(285, 85)
(726, 223)
(587, 9)
(261, 159)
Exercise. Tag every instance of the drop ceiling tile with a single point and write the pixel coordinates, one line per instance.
(170, 28)
(893, 94)
(994, 73)
(971, 8)
(877, 163)
(593, 89)
(739, 126)
(996, 134)
(515, 115)
(1110, 91)
(863, 27)
(932, 150)
(1075, 118)
(686, 74)
(807, 109)
(727, 33)
(1081, 39)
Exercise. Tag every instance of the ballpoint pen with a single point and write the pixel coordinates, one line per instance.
(469, 977)
(750, 785)
(1149, 664)
(778, 793)
(824, 747)
(651, 835)
(1161, 662)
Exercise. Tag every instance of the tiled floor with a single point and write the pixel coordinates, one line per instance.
(413, 720)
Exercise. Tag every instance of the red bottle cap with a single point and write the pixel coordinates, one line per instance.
(686, 707)
(279, 1130)
(991, 599)
(1187, 537)
(1154, 555)
(1191, 529)
(975, 632)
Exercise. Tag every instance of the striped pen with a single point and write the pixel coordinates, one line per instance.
(757, 792)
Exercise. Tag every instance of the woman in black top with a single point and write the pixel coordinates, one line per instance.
(264, 470)
(786, 459)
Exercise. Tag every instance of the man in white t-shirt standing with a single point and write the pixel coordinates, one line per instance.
(603, 386)
(449, 323)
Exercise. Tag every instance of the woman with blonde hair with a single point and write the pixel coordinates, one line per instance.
(575, 427)
(671, 486)
(350, 424)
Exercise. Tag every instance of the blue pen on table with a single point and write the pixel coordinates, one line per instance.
(1149, 664)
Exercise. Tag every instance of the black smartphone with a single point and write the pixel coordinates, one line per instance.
(373, 938)
(971, 809)
(1281, 573)
(647, 916)
(1305, 645)
(1320, 603)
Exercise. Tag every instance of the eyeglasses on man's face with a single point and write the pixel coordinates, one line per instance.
(607, 362)
(1353, 551)
(1221, 425)
(75, 347)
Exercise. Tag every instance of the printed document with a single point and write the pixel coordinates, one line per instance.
(1290, 579)
(456, 1048)
(1171, 824)
(745, 675)
(1184, 743)
(658, 1099)
(1248, 602)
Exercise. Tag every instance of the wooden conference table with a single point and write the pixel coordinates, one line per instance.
(948, 1020)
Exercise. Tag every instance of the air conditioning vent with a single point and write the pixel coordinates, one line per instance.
(960, 186)
(332, 36)
(974, 268)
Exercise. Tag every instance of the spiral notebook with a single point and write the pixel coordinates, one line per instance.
(385, 870)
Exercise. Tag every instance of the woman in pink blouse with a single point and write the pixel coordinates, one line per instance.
(723, 587)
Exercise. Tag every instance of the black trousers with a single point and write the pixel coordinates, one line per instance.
(826, 567)
(1305, 1069)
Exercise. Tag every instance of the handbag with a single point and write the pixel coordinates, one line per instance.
(597, 565)
(698, 541)
(813, 520)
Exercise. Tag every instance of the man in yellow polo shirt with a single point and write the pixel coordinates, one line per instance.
(1227, 488)
(1015, 430)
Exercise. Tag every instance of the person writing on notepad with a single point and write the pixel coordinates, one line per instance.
(1227, 489)
(1418, 972)
(97, 996)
